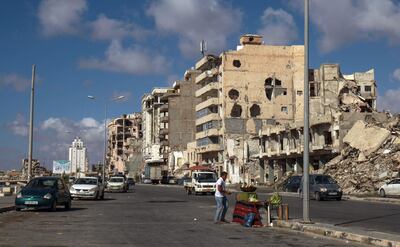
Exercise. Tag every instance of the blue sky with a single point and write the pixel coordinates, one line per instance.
(111, 48)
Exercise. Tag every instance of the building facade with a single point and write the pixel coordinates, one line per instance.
(78, 157)
(122, 132)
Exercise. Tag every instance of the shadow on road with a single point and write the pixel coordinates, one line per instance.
(166, 201)
(366, 219)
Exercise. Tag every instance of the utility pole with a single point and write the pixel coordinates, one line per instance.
(305, 191)
(103, 175)
(31, 112)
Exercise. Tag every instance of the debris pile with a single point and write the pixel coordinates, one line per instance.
(371, 157)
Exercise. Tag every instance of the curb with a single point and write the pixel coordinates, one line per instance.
(6, 209)
(342, 234)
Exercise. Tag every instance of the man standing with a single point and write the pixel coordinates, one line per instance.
(220, 198)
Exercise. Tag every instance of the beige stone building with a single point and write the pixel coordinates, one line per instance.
(121, 133)
(336, 102)
(242, 90)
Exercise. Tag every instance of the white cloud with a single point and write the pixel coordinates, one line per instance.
(132, 60)
(396, 74)
(61, 17)
(54, 136)
(104, 28)
(194, 21)
(19, 126)
(390, 100)
(342, 22)
(18, 82)
(278, 27)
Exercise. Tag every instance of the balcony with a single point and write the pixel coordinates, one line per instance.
(209, 132)
(213, 86)
(164, 119)
(207, 103)
(206, 74)
(164, 108)
(208, 118)
(164, 131)
(209, 148)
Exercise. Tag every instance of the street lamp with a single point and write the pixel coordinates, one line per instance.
(305, 191)
(105, 131)
(31, 114)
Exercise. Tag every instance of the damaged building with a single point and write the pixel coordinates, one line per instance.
(337, 102)
(241, 90)
(123, 132)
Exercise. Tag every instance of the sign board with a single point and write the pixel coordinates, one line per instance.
(61, 166)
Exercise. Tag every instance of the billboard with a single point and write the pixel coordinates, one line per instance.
(61, 166)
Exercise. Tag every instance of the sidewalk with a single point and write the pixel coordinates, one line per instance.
(7, 203)
(365, 237)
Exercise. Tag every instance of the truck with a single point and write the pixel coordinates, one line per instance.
(155, 174)
(202, 182)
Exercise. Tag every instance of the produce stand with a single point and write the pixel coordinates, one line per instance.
(247, 203)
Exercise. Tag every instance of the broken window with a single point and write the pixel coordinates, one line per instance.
(278, 82)
(367, 88)
(236, 63)
(268, 81)
(280, 91)
(328, 138)
(314, 89)
(255, 110)
(299, 92)
(236, 111)
(284, 109)
(233, 94)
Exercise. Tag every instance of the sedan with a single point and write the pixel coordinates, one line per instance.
(43, 192)
(391, 188)
(88, 187)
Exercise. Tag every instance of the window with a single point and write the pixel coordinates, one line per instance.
(299, 93)
(233, 94)
(367, 88)
(284, 109)
(236, 63)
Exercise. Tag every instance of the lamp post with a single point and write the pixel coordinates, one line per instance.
(31, 114)
(105, 132)
(305, 191)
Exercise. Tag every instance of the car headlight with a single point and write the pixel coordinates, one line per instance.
(339, 190)
(323, 189)
(93, 189)
(47, 196)
(72, 189)
(19, 195)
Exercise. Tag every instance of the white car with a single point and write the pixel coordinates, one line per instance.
(88, 187)
(391, 188)
(117, 184)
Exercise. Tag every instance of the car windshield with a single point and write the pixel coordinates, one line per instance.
(116, 180)
(206, 177)
(41, 183)
(86, 181)
(324, 180)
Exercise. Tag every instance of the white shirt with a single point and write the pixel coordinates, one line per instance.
(221, 182)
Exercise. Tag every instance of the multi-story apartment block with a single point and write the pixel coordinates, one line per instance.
(120, 133)
(78, 157)
(240, 91)
(336, 102)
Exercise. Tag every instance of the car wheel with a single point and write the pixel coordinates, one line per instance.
(317, 196)
(338, 198)
(17, 209)
(67, 205)
(53, 207)
(382, 193)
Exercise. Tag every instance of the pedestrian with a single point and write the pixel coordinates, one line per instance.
(220, 198)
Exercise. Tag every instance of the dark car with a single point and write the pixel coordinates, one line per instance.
(130, 181)
(292, 184)
(43, 192)
(168, 180)
(323, 187)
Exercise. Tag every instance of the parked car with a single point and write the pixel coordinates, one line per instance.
(292, 184)
(147, 181)
(322, 187)
(168, 180)
(392, 188)
(88, 187)
(117, 184)
(43, 192)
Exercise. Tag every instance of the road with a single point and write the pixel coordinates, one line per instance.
(148, 216)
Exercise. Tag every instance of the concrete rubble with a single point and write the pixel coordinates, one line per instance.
(370, 158)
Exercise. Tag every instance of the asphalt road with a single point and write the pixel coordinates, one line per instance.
(149, 216)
